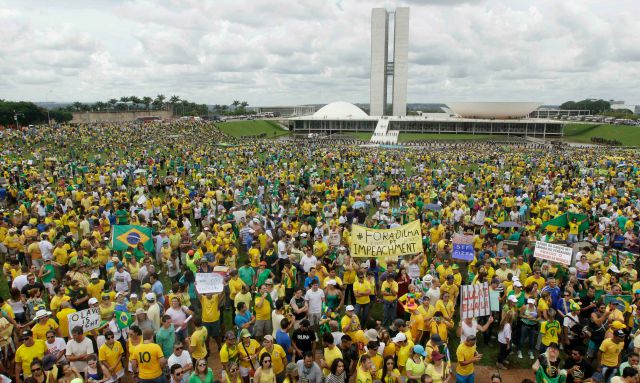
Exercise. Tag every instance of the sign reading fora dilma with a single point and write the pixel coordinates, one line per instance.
(402, 240)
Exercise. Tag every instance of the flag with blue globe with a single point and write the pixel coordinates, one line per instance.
(125, 236)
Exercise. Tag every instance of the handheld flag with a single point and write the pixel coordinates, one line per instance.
(125, 236)
(123, 319)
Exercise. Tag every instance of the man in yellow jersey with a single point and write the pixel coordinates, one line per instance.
(467, 356)
(389, 290)
(147, 360)
(110, 355)
(211, 316)
(198, 340)
(362, 290)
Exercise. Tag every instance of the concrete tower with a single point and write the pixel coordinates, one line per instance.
(382, 68)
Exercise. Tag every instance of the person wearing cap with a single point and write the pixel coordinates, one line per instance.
(263, 274)
(610, 353)
(44, 323)
(248, 350)
(278, 356)
(518, 293)
(416, 366)
(467, 356)
(229, 353)
(29, 350)
(438, 368)
(143, 321)
(350, 323)
(404, 348)
(95, 286)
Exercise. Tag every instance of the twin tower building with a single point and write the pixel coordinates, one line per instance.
(389, 63)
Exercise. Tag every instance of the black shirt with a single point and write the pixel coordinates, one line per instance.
(79, 294)
(585, 302)
(28, 288)
(303, 339)
(584, 366)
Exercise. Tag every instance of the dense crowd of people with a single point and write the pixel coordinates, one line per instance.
(274, 218)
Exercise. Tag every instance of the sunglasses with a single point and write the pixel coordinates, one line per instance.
(266, 361)
(233, 371)
(110, 337)
(179, 348)
(178, 373)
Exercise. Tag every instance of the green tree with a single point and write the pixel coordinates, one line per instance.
(146, 100)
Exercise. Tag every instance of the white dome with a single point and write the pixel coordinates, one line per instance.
(493, 109)
(340, 109)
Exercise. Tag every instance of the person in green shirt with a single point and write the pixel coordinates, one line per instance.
(247, 273)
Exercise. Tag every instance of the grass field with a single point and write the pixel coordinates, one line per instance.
(251, 128)
(628, 135)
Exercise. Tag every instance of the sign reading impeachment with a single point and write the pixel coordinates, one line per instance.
(366, 242)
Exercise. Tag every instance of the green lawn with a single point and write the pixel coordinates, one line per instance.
(628, 135)
(251, 128)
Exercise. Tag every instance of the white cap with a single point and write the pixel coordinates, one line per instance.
(531, 300)
(512, 298)
(349, 308)
(400, 337)
(303, 235)
(150, 296)
(427, 278)
(93, 301)
(515, 279)
(517, 284)
(95, 275)
(332, 282)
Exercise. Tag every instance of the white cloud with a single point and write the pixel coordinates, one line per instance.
(308, 51)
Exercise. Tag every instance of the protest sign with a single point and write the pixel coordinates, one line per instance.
(463, 247)
(366, 242)
(479, 219)
(239, 215)
(474, 301)
(209, 283)
(89, 319)
(553, 253)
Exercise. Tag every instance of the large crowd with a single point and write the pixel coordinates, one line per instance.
(274, 218)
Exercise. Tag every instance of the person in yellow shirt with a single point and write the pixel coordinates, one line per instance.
(110, 354)
(63, 318)
(610, 353)
(403, 350)
(248, 353)
(211, 316)
(362, 290)
(29, 350)
(43, 324)
(536, 277)
(198, 340)
(147, 359)
(467, 356)
(278, 356)
(389, 291)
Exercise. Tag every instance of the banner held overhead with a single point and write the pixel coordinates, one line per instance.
(403, 240)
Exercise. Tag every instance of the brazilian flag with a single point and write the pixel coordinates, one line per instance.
(123, 319)
(564, 219)
(125, 236)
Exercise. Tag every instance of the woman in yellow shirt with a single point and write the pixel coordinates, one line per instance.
(446, 306)
(389, 372)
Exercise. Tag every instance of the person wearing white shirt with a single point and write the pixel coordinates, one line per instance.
(315, 298)
(308, 261)
(183, 358)
(46, 247)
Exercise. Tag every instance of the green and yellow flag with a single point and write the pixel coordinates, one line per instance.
(125, 236)
(123, 319)
(563, 221)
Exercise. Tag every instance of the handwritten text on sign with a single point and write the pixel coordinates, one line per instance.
(366, 242)
(475, 300)
(553, 253)
(89, 319)
(209, 283)
(463, 247)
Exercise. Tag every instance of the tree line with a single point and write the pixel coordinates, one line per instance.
(28, 113)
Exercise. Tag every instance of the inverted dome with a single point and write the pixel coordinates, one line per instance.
(339, 109)
(501, 110)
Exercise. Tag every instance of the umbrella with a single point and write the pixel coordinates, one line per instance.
(433, 206)
(508, 224)
(139, 171)
(359, 204)
(369, 188)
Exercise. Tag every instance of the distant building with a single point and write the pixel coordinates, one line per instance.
(286, 111)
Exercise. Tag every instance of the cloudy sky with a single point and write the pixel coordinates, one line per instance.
(277, 52)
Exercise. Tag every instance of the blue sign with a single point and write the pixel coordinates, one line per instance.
(463, 251)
